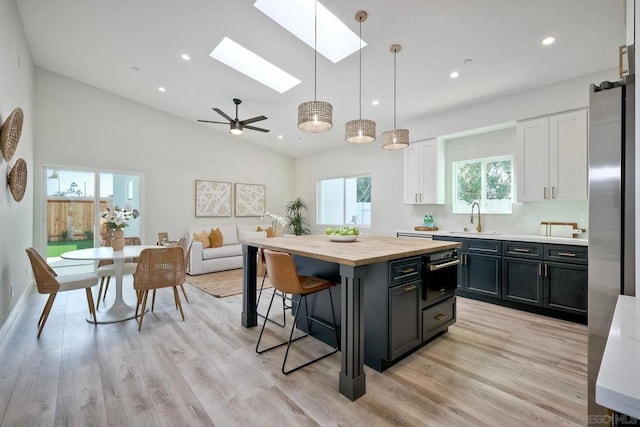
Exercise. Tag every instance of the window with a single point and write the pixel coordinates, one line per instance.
(344, 201)
(487, 181)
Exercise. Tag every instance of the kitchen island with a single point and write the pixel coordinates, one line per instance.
(354, 260)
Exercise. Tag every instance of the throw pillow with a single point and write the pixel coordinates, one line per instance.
(215, 237)
(203, 238)
(269, 231)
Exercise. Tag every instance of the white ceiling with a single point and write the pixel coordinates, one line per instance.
(98, 43)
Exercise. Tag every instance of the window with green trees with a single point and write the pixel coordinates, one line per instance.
(487, 181)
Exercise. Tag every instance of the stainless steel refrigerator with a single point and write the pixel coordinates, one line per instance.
(611, 214)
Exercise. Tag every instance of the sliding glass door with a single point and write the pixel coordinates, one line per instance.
(74, 199)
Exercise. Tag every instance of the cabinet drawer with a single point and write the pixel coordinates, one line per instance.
(522, 250)
(562, 253)
(485, 247)
(405, 270)
(437, 318)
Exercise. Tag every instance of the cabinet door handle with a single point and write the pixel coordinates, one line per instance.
(539, 269)
(407, 270)
(526, 251)
(546, 270)
(569, 254)
(420, 196)
(545, 193)
(553, 192)
(409, 288)
(440, 316)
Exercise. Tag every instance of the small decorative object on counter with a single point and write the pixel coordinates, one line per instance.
(428, 220)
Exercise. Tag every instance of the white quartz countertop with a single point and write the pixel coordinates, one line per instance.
(618, 383)
(499, 236)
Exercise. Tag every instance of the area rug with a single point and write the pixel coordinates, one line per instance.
(223, 283)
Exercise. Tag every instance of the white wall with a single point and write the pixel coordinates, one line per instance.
(79, 125)
(390, 214)
(16, 90)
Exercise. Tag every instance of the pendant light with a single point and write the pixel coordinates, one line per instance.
(395, 139)
(315, 116)
(361, 130)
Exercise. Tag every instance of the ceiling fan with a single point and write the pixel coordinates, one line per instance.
(236, 126)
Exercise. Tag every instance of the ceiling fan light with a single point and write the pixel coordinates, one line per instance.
(396, 139)
(236, 129)
(360, 131)
(315, 116)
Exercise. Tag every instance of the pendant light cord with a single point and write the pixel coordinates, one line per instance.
(315, 49)
(360, 89)
(395, 83)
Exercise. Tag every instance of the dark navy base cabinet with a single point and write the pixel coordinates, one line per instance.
(548, 279)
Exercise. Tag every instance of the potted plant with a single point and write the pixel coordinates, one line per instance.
(296, 217)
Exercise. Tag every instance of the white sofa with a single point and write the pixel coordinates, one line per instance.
(226, 257)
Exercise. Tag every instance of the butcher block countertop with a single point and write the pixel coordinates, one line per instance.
(365, 250)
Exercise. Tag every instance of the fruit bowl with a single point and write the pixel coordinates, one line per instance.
(338, 238)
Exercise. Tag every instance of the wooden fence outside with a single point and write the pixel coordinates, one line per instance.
(71, 218)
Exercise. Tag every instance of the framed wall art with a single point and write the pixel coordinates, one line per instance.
(250, 199)
(213, 198)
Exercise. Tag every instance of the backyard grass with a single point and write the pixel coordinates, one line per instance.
(54, 249)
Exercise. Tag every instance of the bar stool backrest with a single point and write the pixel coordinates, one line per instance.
(282, 272)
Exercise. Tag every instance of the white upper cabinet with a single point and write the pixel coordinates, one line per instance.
(424, 172)
(552, 157)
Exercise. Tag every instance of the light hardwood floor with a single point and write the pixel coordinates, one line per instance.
(495, 366)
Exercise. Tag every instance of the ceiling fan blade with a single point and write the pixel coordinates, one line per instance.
(222, 113)
(253, 119)
(255, 128)
(209, 121)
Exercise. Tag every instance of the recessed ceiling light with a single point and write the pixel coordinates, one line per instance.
(335, 40)
(134, 68)
(248, 63)
(185, 57)
(454, 75)
(161, 89)
(375, 102)
(468, 61)
(280, 137)
(548, 40)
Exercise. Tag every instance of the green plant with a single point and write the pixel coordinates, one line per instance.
(88, 234)
(296, 216)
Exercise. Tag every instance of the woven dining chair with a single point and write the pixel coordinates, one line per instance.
(49, 283)
(106, 269)
(158, 268)
(284, 277)
(185, 244)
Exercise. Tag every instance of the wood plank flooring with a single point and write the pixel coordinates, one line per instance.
(495, 366)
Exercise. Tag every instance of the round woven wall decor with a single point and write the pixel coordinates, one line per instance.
(17, 179)
(10, 133)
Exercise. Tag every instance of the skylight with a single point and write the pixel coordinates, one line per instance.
(248, 63)
(335, 40)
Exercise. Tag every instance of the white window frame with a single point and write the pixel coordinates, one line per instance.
(485, 204)
(344, 202)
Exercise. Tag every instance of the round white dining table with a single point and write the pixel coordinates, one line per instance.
(119, 310)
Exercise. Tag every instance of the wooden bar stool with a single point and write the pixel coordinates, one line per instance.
(285, 278)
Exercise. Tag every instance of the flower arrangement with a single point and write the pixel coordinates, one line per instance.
(275, 220)
(117, 217)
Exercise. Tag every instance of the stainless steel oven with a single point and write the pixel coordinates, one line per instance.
(440, 278)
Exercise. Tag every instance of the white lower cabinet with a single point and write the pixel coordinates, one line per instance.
(424, 172)
(551, 161)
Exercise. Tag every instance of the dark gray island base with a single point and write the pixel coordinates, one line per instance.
(360, 265)
(397, 321)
